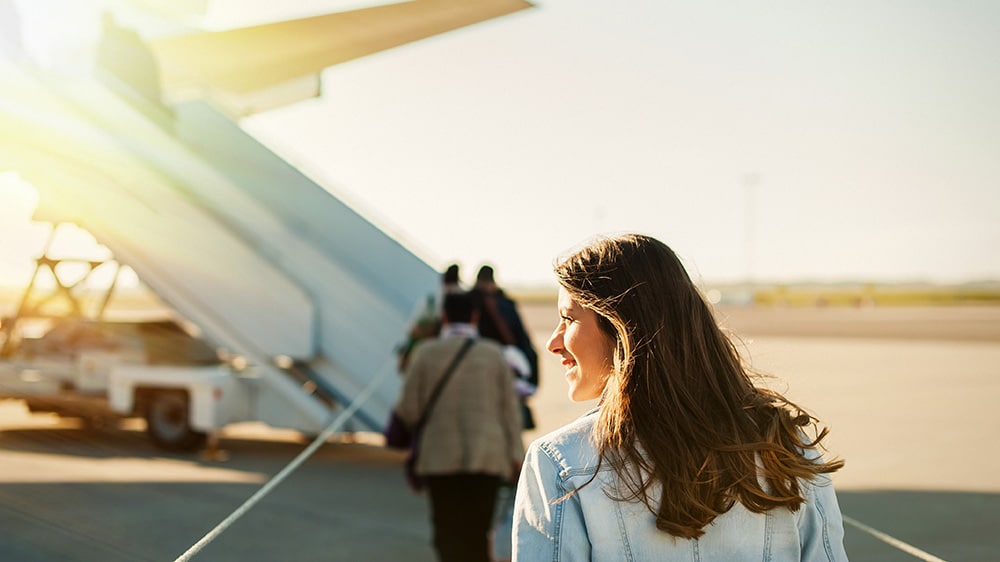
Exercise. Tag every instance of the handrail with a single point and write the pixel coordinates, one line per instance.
(328, 390)
(289, 468)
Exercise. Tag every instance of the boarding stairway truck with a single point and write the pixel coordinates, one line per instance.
(306, 298)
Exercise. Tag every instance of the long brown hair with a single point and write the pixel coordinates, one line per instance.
(680, 410)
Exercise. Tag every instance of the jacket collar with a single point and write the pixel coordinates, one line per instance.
(459, 330)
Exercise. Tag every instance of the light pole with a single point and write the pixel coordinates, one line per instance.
(750, 183)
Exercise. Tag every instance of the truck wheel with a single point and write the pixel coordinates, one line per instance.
(167, 421)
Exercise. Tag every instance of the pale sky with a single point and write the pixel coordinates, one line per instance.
(870, 133)
(785, 140)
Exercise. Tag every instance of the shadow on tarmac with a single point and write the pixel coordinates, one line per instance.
(347, 502)
(954, 526)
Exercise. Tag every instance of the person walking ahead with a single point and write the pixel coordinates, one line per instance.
(684, 458)
(471, 441)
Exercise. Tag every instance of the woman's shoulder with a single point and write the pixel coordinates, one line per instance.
(572, 446)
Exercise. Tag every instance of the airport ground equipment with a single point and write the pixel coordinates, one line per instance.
(297, 298)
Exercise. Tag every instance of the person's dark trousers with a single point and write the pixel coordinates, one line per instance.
(462, 513)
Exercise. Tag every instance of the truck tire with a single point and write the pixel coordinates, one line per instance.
(168, 421)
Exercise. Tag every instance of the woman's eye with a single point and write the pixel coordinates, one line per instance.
(566, 319)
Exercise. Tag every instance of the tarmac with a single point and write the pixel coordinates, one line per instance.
(910, 409)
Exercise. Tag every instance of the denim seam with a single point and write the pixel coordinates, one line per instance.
(557, 530)
(826, 525)
(768, 529)
(626, 545)
(556, 458)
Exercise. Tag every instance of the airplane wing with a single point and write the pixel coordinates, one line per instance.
(266, 66)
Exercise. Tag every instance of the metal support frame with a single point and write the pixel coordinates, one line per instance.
(27, 309)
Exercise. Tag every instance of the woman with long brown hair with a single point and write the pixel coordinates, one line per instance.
(684, 456)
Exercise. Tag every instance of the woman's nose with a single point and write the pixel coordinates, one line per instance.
(555, 343)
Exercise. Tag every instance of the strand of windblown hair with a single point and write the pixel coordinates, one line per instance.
(289, 468)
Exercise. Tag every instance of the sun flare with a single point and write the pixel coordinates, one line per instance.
(23, 240)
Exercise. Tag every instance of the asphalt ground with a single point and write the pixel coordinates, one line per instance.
(909, 396)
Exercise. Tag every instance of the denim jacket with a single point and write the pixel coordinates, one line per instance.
(590, 526)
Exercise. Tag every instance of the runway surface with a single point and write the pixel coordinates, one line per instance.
(909, 395)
